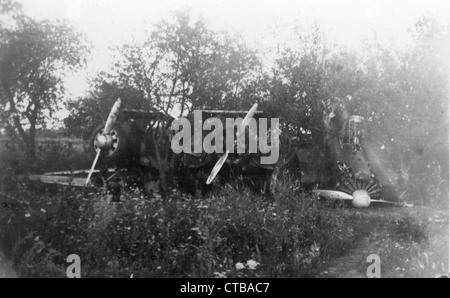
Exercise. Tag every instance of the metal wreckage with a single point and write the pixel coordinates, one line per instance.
(130, 146)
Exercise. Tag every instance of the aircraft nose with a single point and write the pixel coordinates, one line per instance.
(361, 199)
(101, 141)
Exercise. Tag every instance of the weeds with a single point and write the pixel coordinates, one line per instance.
(180, 236)
(230, 233)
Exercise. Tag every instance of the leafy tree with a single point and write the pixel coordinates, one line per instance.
(401, 92)
(9, 9)
(34, 56)
(86, 113)
(407, 105)
(295, 92)
(403, 95)
(183, 66)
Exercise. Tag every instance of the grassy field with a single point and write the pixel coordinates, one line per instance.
(411, 242)
(233, 233)
(53, 154)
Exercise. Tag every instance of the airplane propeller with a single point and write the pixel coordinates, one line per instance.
(104, 140)
(360, 198)
(223, 158)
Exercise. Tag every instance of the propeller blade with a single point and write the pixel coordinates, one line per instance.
(93, 166)
(112, 117)
(333, 194)
(217, 167)
(395, 204)
(224, 157)
(247, 118)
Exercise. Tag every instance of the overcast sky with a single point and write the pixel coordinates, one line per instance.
(111, 22)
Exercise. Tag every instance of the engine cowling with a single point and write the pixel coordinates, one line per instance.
(120, 147)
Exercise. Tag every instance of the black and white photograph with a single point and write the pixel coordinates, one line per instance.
(221, 146)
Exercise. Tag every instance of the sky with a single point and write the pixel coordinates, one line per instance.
(108, 23)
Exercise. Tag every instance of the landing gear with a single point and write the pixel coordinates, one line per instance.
(111, 181)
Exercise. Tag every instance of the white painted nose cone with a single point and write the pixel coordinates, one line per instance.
(361, 199)
(101, 141)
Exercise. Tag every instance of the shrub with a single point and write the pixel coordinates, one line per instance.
(178, 236)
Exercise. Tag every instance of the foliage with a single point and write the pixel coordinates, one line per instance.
(92, 110)
(232, 233)
(182, 66)
(416, 246)
(404, 96)
(295, 92)
(34, 55)
(181, 236)
(402, 92)
(53, 153)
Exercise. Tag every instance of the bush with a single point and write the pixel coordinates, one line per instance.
(233, 233)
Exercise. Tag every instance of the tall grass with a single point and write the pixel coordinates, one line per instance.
(232, 233)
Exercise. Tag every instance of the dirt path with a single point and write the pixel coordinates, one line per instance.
(354, 263)
(350, 265)
(6, 270)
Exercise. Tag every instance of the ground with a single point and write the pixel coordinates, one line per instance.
(414, 242)
(6, 270)
(214, 236)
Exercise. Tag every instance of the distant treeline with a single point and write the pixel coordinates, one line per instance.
(15, 146)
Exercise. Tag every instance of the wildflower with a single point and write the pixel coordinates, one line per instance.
(251, 264)
(220, 274)
(315, 247)
(239, 266)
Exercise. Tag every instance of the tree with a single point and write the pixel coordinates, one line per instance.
(402, 92)
(34, 56)
(9, 10)
(296, 94)
(408, 108)
(183, 66)
(87, 112)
